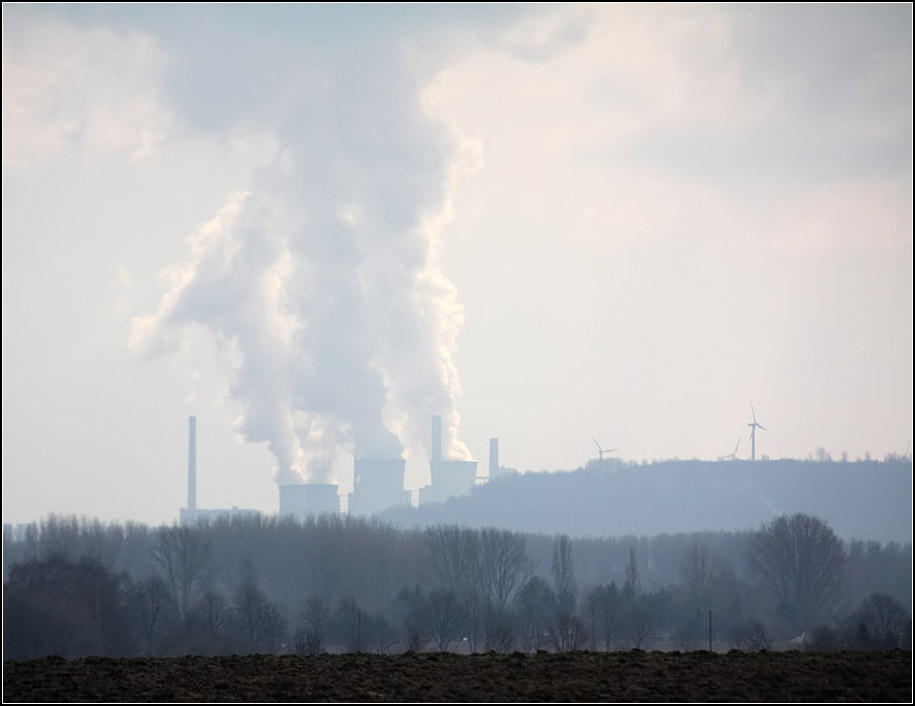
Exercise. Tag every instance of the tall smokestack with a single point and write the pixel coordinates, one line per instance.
(192, 464)
(437, 438)
(493, 458)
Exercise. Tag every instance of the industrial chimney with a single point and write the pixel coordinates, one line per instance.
(493, 458)
(449, 477)
(192, 464)
(436, 438)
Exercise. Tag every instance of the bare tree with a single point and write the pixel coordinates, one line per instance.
(414, 608)
(884, 618)
(473, 610)
(633, 586)
(455, 558)
(498, 630)
(382, 634)
(563, 568)
(271, 626)
(753, 637)
(59, 534)
(605, 603)
(416, 634)
(454, 554)
(698, 574)
(353, 625)
(311, 641)
(149, 605)
(535, 603)
(182, 556)
(445, 617)
(567, 631)
(32, 542)
(325, 539)
(504, 566)
(211, 619)
(639, 622)
(803, 563)
(99, 543)
(248, 602)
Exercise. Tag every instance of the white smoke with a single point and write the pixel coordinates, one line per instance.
(324, 280)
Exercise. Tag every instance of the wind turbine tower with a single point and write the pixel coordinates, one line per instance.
(753, 425)
(731, 456)
(601, 451)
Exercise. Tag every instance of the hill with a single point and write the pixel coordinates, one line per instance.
(864, 500)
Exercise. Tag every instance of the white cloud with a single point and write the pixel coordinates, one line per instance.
(678, 223)
(85, 89)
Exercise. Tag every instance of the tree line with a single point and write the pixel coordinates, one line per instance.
(76, 587)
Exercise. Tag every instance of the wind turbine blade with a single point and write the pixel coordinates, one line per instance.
(596, 444)
(762, 427)
(754, 412)
(737, 447)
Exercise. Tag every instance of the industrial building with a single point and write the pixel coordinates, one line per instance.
(495, 470)
(378, 484)
(191, 514)
(303, 499)
(450, 477)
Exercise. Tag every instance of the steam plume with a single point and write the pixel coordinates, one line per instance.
(324, 280)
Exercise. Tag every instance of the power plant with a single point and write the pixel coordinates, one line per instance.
(450, 477)
(191, 514)
(378, 484)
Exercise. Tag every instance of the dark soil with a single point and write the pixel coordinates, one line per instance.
(438, 677)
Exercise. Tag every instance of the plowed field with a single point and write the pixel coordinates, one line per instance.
(578, 676)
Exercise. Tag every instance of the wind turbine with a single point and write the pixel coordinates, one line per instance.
(600, 451)
(753, 426)
(731, 456)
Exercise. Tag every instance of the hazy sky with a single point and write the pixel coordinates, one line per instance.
(314, 226)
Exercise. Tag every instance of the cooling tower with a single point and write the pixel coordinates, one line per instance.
(452, 478)
(378, 485)
(303, 499)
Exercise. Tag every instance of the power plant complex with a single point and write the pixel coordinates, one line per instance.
(378, 484)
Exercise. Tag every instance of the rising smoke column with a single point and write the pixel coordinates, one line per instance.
(323, 279)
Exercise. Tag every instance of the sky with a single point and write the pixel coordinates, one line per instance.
(314, 226)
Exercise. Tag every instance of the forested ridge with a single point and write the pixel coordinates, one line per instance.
(859, 499)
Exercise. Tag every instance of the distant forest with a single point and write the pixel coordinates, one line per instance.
(77, 587)
(859, 500)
